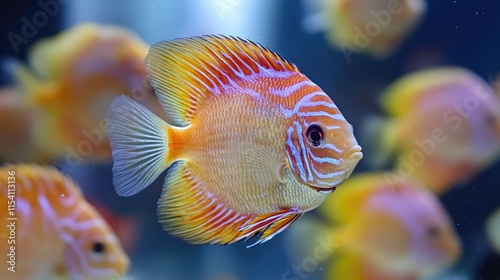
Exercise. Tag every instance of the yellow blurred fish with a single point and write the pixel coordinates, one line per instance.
(493, 230)
(52, 231)
(443, 126)
(71, 80)
(349, 266)
(374, 27)
(397, 228)
(253, 143)
(15, 127)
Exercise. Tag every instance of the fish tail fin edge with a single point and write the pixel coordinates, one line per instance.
(139, 145)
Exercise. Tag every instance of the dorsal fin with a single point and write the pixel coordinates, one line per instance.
(183, 71)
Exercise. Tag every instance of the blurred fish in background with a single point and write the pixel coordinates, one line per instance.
(388, 229)
(373, 27)
(54, 232)
(66, 88)
(443, 127)
(493, 230)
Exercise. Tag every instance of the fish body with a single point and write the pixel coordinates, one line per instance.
(443, 126)
(396, 228)
(56, 232)
(70, 81)
(252, 143)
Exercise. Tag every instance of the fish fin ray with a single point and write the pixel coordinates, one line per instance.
(139, 143)
(184, 71)
(284, 220)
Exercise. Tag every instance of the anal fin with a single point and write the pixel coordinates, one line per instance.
(189, 211)
(269, 225)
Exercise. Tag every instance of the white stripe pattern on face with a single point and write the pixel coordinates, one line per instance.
(330, 146)
(328, 175)
(323, 159)
(295, 153)
(298, 127)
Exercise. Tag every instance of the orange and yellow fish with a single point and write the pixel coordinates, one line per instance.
(443, 126)
(69, 83)
(53, 231)
(253, 143)
(373, 27)
(394, 229)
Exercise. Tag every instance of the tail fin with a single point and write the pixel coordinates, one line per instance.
(139, 145)
(382, 135)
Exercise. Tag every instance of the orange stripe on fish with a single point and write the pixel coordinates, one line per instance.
(255, 142)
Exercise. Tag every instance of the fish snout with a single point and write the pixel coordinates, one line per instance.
(353, 155)
(351, 158)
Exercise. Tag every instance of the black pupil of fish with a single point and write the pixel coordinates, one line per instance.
(315, 135)
(98, 247)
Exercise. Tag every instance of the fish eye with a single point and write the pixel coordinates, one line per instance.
(98, 247)
(433, 231)
(315, 135)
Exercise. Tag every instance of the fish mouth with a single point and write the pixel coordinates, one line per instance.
(323, 190)
(354, 154)
(352, 157)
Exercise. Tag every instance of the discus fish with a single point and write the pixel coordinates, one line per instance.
(55, 233)
(373, 27)
(443, 127)
(396, 227)
(493, 230)
(253, 144)
(70, 81)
